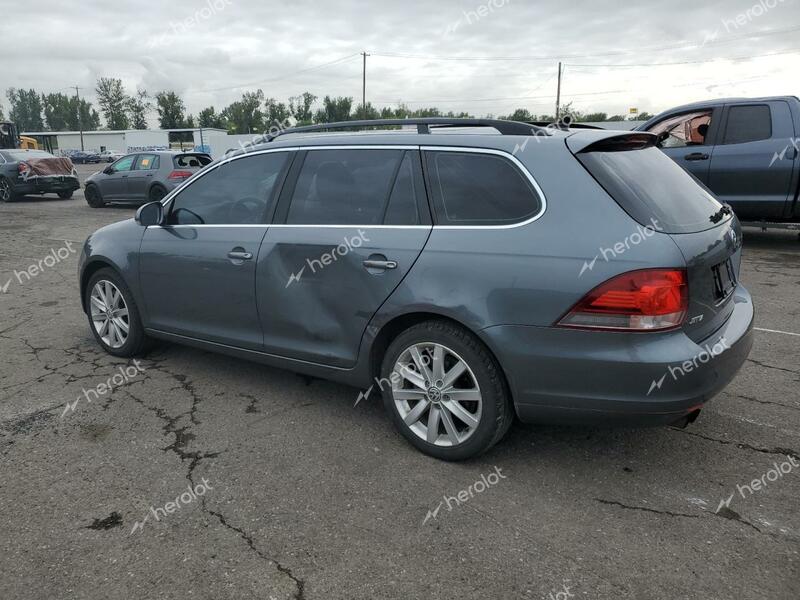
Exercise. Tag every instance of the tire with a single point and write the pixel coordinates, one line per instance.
(135, 342)
(157, 192)
(491, 413)
(65, 195)
(6, 191)
(93, 197)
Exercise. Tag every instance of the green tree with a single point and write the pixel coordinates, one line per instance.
(170, 109)
(26, 109)
(334, 109)
(301, 108)
(245, 115)
(615, 118)
(521, 114)
(208, 117)
(138, 107)
(113, 102)
(643, 116)
(369, 113)
(60, 111)
(595, 117)
(276, 113)
(2, 116)
(189, 123)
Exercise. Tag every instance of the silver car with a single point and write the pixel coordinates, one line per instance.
(142, 176)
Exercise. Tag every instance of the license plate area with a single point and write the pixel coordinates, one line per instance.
(724, 280)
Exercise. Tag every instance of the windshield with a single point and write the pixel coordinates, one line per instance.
(649, 186)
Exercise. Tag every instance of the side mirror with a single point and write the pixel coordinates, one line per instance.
(108, 170)
(149, 214)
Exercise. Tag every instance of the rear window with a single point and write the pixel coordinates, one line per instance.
(654, 190)
(470, 188)
(24, 154)
(191, 160)
(748, 124)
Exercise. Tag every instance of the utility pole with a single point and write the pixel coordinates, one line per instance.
(364, 85)
(80, 121)
(558, 92)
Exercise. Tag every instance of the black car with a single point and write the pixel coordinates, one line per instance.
(83, 158)
(35, 172)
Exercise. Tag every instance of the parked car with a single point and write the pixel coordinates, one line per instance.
(466, 277)
(744, 149)
(110, 156)
(142, 177)
(82, 158)
(35, 172)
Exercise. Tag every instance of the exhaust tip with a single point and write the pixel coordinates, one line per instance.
(686, 420)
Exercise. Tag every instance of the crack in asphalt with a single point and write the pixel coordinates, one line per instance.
(766, 402)
(766, 366)
(647, 509)
(742, 445)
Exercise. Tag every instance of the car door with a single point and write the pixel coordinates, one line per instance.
(754, 162)
(689, 139)
(197, 271)
(114, 183)
(141, 176)
(350, 224)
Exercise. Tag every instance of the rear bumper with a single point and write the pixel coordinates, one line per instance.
(569, 376)
(44, 185)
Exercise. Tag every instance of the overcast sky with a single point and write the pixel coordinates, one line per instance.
(239, 45)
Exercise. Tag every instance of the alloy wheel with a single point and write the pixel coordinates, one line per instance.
(436, 394)
(5, 190)
(109, 314)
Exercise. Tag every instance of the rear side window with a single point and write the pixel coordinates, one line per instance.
(146, 162)
(654, 190)
(235, 193)
(470, 188)
(344, 187)
(748, 124)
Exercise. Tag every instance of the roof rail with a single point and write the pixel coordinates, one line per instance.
(423, 126)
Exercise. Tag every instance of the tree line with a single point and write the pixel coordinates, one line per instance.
(252, 113)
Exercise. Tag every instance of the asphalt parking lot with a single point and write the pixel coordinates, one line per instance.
(296, 493)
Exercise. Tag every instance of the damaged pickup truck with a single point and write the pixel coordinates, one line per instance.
(35, 172)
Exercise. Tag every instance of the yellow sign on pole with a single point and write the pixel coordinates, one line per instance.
(633, 111)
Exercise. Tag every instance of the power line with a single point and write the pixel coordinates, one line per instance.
(500, 99)
(688, 62)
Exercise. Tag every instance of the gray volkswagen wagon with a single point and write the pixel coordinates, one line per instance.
(469, 271)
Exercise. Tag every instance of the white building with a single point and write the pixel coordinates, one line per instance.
(131, 140)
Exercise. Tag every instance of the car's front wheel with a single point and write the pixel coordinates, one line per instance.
(6, 191)
(113, 315)
(445, 391)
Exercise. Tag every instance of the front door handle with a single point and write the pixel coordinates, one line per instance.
(239, 255)
(379, 264)
(696, 156)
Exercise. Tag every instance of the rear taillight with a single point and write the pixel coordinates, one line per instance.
(180, 174)
(643, 300)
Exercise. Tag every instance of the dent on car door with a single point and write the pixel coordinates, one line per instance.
(753, 165)
(197, 272)
(350, 225)
(688, 139)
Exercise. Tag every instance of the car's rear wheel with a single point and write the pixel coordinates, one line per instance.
(113, 315)
(445, 391)
(65, 195)
(93, 197)
(157, 193)
(6, 191)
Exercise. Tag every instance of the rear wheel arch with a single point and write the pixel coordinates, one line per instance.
(397, 325)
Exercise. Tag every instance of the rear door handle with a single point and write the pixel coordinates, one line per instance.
(380, 264)
(239, 255)
(696, 156)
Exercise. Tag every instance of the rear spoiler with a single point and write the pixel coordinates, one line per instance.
(610, 141)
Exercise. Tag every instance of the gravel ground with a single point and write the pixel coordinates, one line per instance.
(297, 494)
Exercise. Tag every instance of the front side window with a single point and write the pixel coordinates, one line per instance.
(471, 188)
(236, 192)
(344, 187)
(124, 164)
(748, 124)
(688, 129)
